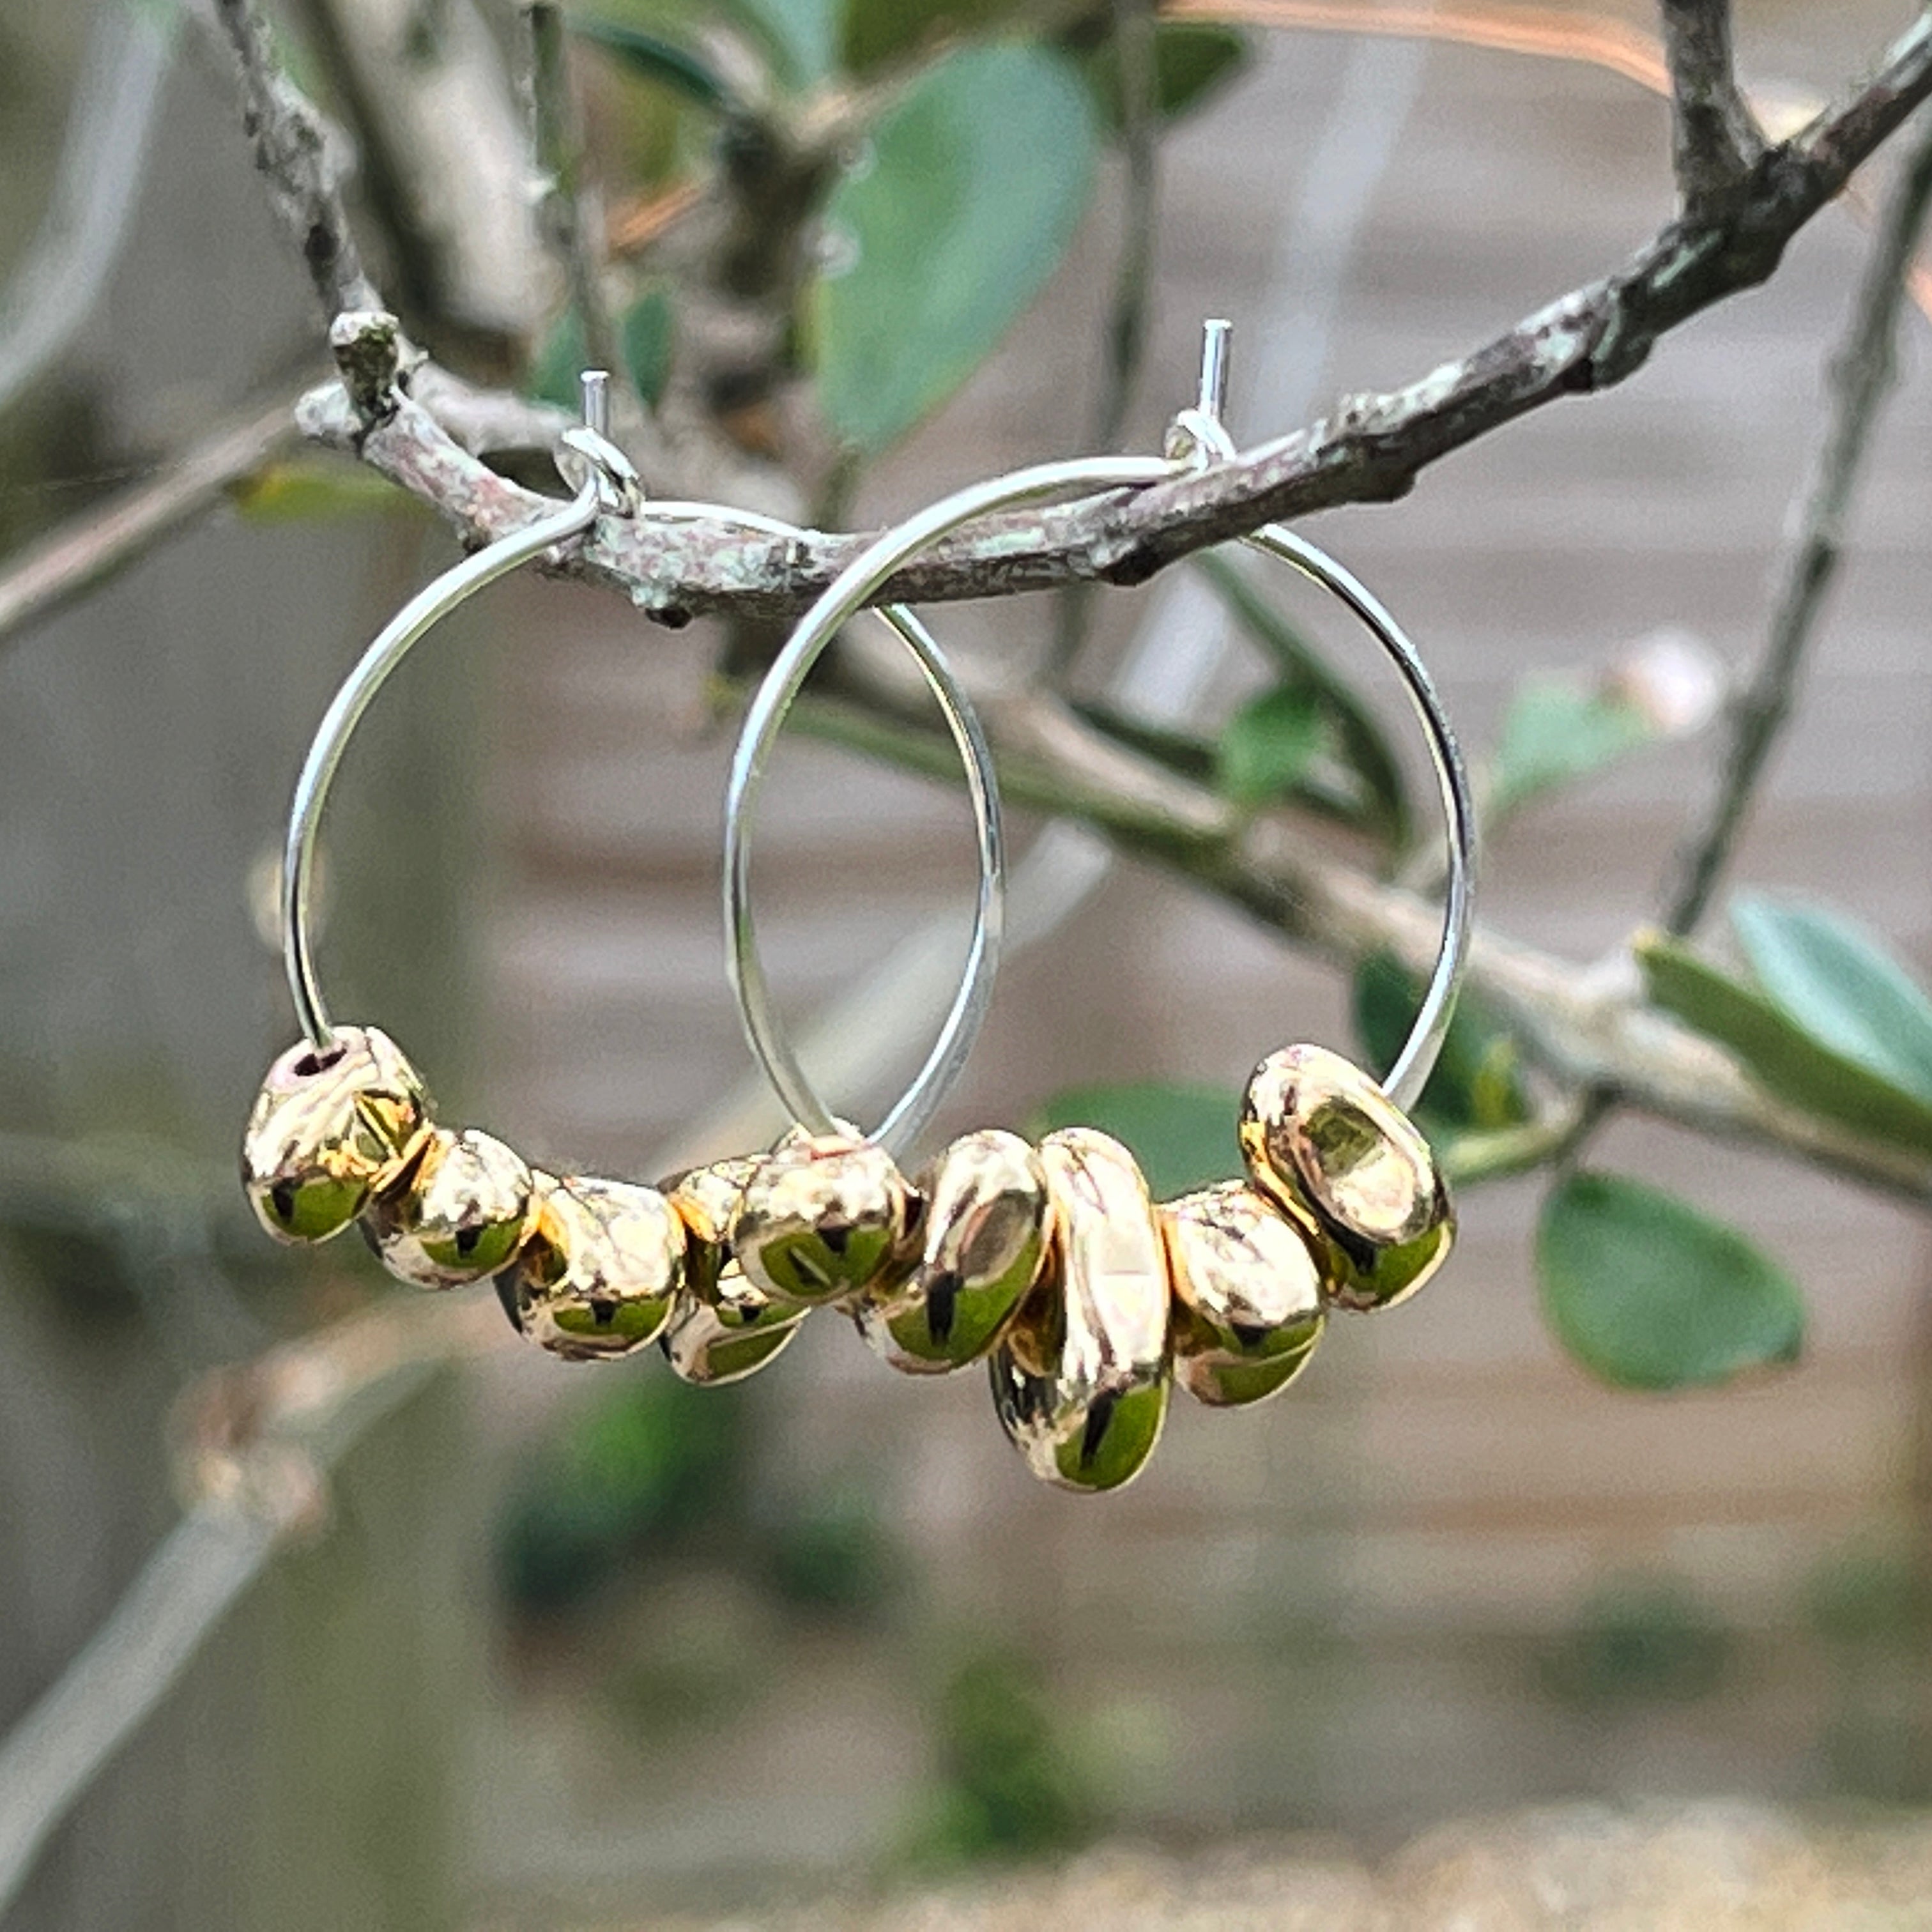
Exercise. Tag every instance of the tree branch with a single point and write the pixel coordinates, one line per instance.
(1370, 449)
(1862, 375)
(1587, 1027)
(86, 552)
(1715, 141)
(300, 154)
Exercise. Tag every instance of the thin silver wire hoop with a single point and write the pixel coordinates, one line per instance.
(1198, 440)
(378, 664)
(841, 600)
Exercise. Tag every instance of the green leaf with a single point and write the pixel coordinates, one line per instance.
(644, 340)
(1477, 1083)
(1556, 731)
(1782, 1056)
(980, 176)
(1840, 984)
(1648, 1293)
(301, 489)
(1359, 742)
(656, 59)
(1269, 746)
(1193, 60)
(796, 38)
(872, 32)
(1184, 1137)
(1183, 753)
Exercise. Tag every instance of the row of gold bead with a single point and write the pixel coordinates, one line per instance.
(1054, 1263)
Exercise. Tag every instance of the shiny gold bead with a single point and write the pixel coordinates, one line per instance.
(599, 1269)
(820, 1218)
(460, 1212)
(1080, 1381)
(1247, 1294)
(1325, 1142)
(979, 1245)
(722, 1329)
(705, 1199)
(329, 1129)
(711, 1345)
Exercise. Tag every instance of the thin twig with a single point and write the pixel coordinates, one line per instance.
(96, 184)
(83, 554)
(1587, 1027)
(1133, 275)
(1861, 375)
(257, 1481)
(568, 215)
(1370, 449)
(1714, 141)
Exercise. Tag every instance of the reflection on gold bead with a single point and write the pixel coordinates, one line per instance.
(1080, 1381)
(329, 1129)
(979, 1247)
(1247, 1295)
(710, 1346)
(705, 1199)
(1321, 1139)
(598, 1270)
(820, 1218)
(459, 1213)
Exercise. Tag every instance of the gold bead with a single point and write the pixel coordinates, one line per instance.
(820, 1218)
(979, 1244)
(1325, 1142)
(329, 1129)
(460, 1212)
(722, 1329)
(1080, 1381)
(705, 1344)
(599, 1269)
(1247, 1294)
(705, 1199)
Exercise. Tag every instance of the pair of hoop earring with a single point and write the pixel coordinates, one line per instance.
(1053, 1263)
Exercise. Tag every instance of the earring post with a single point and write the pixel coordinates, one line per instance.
(1215, 337)
(595, 384)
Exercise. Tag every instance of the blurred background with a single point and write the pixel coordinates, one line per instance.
(560, 1646)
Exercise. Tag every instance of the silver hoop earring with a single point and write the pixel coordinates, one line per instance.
(1086, 1297)
(342, 1129)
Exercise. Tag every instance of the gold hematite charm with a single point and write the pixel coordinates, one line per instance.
(979, 1248)
(1080, 1381)
(1247, 1295)
(328, 1129)
(458, 1213)
(1323, 1140)
(821, 1216)
(722, 1328)
(599, 1270)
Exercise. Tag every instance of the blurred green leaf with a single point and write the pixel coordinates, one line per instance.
(796, 38)
(300, 489)
(837, 1555)
(872, 32)
(651, 1461)
(1193, 60)
(1183, 1136)
(1477, 1083)
(1184, 753)
(980, 174)
(1556, 731)
(1838, 982)
(1270, 745)
(1782, 1057)
(1358, 739)
(655, 58)
(1648, 1293)
(1639, 1640)
(644, 340)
